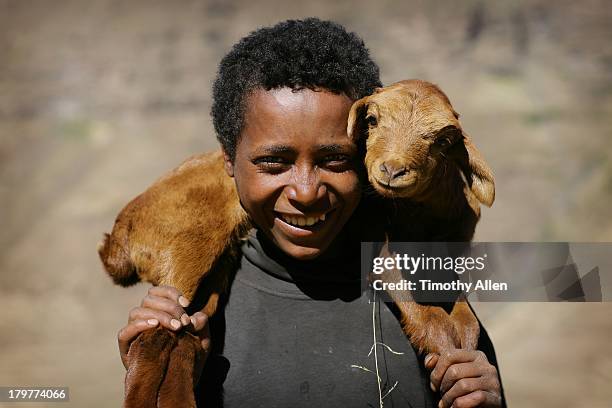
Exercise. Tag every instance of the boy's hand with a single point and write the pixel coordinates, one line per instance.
(464, 378)
(162, 305)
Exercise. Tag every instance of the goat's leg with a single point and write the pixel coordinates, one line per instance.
(466, 324)
(429, 328)
(177, 388)
(187, 357)
(148, 359)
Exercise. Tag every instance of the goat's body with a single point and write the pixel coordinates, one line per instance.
(446, 214)
(175, 232)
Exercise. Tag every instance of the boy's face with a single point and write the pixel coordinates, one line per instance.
(295, 168)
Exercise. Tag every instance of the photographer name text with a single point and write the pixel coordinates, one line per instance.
(429, 285)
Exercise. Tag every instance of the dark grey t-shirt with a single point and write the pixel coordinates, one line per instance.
(301, 334)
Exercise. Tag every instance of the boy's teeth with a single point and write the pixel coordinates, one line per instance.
(302, 221)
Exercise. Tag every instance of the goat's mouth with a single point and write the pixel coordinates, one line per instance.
(404, 187)
(392, 190)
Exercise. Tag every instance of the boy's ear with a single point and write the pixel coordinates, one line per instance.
(228, 164)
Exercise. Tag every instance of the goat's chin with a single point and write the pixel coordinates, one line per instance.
(395, 190)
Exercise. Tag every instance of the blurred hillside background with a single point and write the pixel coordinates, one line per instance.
(98, 98)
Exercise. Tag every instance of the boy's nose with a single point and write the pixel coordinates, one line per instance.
(306, 194)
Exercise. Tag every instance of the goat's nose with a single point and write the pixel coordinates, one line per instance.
(392, 170)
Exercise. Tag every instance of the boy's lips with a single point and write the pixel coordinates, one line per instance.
(299, 220)
(302, 225)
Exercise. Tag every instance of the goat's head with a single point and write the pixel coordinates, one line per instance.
(412, 133)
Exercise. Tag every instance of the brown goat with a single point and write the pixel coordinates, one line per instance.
(434, 179)
(185, 229)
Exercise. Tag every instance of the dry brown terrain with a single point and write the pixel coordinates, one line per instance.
(100, 97)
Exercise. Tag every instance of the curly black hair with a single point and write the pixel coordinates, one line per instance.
(308, 53)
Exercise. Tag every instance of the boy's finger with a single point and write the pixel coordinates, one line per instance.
(169, 292)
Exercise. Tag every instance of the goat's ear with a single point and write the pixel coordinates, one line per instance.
(477, 172)
(355, 126)
(483, 182)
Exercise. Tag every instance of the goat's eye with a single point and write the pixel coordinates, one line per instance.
(372, 121)
(443, 142)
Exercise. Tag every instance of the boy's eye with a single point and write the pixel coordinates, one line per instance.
(268, 159)
(271, 163)
(336, 157)
(337, 162)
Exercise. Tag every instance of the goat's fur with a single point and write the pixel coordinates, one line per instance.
(175, 232)
(184, 231)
